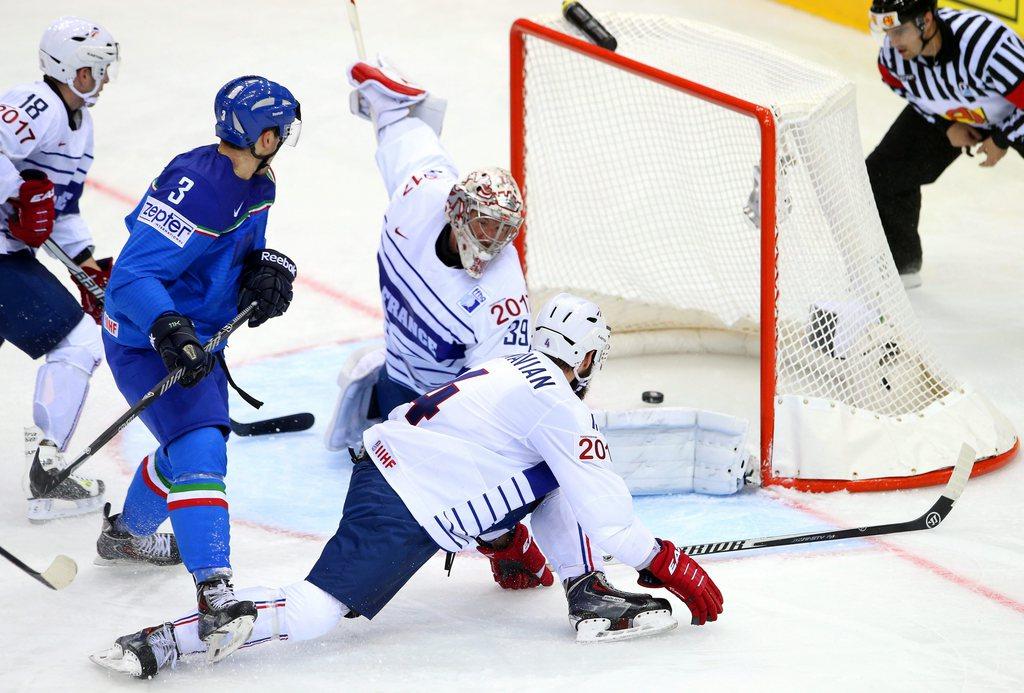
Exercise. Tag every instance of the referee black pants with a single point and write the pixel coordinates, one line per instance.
(913, 153)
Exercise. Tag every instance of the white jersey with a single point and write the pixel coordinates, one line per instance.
(497, 439)
(38, 132)
(438, 320)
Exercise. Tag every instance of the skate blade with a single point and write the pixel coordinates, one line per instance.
(228, 638)
(645, 625)
(116, 659)
(45, 509)
(132, 564)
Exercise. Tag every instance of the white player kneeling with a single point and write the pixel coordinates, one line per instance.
(463, 462)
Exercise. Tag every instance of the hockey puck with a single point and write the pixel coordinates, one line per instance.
(652, 397)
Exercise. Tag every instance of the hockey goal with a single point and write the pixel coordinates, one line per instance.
(709, 192)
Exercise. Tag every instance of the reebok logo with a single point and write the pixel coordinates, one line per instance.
(271, 256)
(172, 224)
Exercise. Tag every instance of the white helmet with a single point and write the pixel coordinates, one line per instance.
(71, 43)
(568, 328)
(485, 210)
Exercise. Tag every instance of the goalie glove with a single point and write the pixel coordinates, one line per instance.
(520, 565)
(680, 575)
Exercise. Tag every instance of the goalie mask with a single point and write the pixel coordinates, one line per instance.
(568, 328)
(71, 43)
(485, 210)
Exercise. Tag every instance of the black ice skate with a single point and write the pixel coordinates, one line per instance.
(75, 495)
(601, 613)
(122, 548)
(224, 622)
(141, 654)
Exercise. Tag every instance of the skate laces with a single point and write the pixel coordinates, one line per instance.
(161, 642)
(155, 544)
(219, 595)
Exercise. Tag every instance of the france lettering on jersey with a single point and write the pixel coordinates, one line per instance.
(977, 78)
(495, 439)
(38, 132)
(437, 319)
(188, 238)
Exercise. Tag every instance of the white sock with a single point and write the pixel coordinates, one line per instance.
(300, 611)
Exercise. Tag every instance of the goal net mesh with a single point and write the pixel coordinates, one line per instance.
(645, 198)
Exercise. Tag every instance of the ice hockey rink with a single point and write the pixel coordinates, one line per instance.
(941, 610)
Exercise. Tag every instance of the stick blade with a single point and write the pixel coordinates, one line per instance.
(961, 472)
(61, 573)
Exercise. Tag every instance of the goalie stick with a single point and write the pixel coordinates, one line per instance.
(54, 479)
(281, 424)
(57, 576)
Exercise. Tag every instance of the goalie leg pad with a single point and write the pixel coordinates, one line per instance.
(383, 95)
(356, 380)
(677, 450)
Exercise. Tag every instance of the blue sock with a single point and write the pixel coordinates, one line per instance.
(198, 504)
(145, 506)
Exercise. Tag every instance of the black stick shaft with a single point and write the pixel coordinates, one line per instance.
(931, 518)
(147, 399)
(18, 562)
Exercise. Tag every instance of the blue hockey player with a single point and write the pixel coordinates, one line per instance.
(196, 255)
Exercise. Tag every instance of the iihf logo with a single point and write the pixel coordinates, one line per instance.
(932, 519)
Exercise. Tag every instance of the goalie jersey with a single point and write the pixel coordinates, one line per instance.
(38, 132)
(494, 441)
(437, 319)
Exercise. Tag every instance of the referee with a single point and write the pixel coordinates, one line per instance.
(962, 74)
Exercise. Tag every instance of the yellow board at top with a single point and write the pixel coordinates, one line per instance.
(854, 13)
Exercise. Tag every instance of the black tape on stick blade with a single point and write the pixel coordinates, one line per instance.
(580, 17)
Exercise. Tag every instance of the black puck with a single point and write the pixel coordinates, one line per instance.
(652, 397)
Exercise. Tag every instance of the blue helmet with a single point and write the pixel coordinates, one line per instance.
(246, 106)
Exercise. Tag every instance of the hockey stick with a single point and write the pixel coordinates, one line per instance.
(929, 520)
(54, 479)
(281, 424)
(59, 575)
(357, 32)
(292, 423)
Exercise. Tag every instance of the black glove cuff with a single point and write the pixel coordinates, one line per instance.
(273, 259)
(167, 324)
(1000, 139)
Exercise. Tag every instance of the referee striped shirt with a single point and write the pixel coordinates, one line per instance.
(977, 77)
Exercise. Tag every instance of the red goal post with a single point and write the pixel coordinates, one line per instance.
(524, 31)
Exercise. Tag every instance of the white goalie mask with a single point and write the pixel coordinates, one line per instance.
(71, 43)
(568, 328)
(485, 210)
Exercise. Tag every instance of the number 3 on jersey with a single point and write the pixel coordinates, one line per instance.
(184, 185)
(426, 406)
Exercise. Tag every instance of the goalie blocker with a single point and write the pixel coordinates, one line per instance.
(663, 450)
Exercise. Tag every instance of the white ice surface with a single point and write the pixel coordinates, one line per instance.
(941, 610)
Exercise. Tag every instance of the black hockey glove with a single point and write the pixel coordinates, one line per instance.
(267, 279)
(174, 338)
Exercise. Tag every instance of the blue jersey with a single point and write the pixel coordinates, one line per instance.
(189, 236)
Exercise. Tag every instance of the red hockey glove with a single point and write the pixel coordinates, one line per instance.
(520, 565)
(34, 213)
(90, 304)
(680, 575)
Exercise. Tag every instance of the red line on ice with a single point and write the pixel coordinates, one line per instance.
(316, 285)
(920, 561)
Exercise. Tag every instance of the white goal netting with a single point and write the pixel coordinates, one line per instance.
(645, 198)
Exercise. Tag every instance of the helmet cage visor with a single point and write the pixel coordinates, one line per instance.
(482, 233)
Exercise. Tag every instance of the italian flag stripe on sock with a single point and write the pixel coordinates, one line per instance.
(190, 495)
(156, 481)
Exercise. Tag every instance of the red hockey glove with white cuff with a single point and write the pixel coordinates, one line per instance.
(680, 575)
(520, 565)
(34, 211)
(90, 304)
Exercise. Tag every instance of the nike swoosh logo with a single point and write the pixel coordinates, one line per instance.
(397, 231)
(239, 207)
